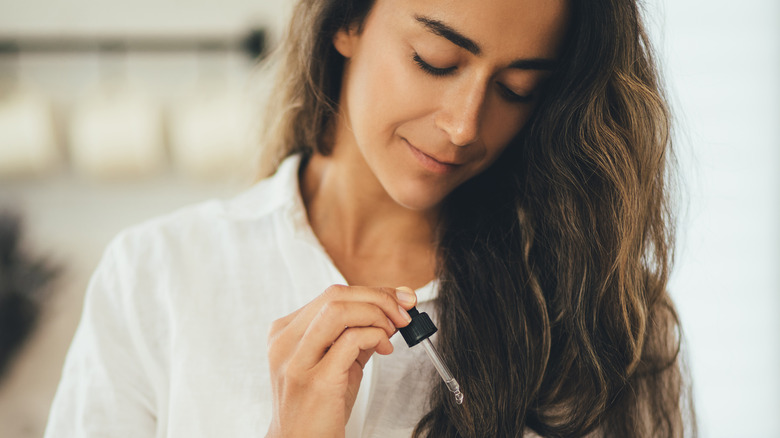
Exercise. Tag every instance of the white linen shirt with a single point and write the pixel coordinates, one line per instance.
(172, 339)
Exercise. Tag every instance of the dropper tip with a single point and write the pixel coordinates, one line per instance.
(458, 397)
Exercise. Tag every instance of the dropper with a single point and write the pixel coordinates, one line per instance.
(417, 332)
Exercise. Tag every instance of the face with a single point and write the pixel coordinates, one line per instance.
(434, 91)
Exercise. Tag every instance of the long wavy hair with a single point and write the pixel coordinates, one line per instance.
(553, 264)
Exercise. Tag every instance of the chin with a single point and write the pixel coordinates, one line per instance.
(418, 199)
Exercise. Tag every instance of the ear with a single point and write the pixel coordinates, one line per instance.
(345, 41)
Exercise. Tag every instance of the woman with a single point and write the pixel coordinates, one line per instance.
(506, 159)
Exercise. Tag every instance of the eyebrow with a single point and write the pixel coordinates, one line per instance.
(451, 34)
(457, 38)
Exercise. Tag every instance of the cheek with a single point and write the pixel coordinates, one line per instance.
(385, 92)
(376, 93)
(501, 125)
(365, 99)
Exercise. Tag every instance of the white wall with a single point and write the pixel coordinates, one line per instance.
(139, 16)
(723, 66)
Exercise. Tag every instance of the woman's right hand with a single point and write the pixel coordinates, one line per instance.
(317, 354)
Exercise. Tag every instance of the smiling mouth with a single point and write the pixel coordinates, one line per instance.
(430, 163)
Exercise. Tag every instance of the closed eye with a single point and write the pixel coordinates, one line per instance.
(431, 70)
(511, 96)
(506, 93)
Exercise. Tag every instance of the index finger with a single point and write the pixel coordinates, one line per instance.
(383, 297)
(390, 300)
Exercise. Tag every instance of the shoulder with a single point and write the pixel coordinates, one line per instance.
(217, 224)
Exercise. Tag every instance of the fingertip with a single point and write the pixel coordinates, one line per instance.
(406, 297)
(405, 316)
(385, 348)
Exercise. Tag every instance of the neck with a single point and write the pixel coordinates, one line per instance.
(342, 201)
(372, 239)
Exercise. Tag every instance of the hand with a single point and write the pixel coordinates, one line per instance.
(317, 354)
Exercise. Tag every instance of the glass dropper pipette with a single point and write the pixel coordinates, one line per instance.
(419, 331)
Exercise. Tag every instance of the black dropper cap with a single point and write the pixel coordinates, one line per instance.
(419, 329)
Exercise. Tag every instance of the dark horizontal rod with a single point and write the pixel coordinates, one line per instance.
(253, 44)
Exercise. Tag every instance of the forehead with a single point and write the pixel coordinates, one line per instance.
(513, 28)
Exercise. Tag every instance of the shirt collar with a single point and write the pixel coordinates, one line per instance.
(270, 194)
(281, 192)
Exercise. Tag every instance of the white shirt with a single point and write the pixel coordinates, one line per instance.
(172, 340)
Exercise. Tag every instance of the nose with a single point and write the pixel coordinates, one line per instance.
(459, 116)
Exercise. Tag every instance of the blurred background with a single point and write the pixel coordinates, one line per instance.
(112, 112)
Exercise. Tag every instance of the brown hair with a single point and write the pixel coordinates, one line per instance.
(553, 308)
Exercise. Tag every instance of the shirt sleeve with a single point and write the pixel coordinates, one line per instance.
(105, 389)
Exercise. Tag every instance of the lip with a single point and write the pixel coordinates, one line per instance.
(430, 163)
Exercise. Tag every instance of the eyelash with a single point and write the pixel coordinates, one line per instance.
(511, 96)
(507, 94)
(431, 70)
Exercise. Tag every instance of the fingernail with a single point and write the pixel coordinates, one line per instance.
(404, 313)
(405, 295)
